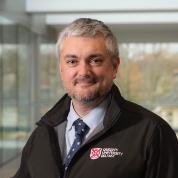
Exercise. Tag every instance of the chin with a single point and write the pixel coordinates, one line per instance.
(86, 97)
(89, 97)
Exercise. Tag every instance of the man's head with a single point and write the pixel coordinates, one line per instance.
(89, 60)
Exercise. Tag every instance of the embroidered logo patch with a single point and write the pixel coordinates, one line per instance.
(96, 153)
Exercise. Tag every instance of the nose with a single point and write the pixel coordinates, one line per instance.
(84, 68)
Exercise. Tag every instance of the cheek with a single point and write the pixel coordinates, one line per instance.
(67, 77)
(64, 72)
(107, 74)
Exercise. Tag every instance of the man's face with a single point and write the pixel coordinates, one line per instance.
(86, 68)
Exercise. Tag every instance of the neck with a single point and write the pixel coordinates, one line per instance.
(83, 109)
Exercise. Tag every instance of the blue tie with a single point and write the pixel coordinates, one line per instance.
(81, 129)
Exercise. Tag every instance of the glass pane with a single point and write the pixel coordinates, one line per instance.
(23, 86)
(14, 90)
(149, 76)
(50, 85)
(10, 97)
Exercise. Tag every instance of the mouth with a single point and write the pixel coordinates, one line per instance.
(85, 81)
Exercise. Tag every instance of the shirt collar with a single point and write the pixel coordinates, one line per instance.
(92, 119)
(72, 116)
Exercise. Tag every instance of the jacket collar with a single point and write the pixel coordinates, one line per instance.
(59, 112)
(114, 107)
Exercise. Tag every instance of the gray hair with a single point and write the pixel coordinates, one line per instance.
(86, 27)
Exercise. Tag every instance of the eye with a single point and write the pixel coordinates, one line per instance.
(72, 62)
(96, 60)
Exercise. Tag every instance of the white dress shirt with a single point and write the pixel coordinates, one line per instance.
(94, 120)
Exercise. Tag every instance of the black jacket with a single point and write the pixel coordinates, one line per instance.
(135, 143)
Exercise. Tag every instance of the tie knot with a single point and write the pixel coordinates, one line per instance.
(81, 129)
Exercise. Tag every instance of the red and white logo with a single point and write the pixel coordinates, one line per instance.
(95, 153)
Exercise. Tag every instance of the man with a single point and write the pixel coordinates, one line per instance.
(92, 132)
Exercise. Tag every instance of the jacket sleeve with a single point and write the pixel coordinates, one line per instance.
(23, 171)
(162, 153)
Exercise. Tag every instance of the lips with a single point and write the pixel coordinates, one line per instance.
(85, 80)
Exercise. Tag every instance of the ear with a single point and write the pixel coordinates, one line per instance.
(116, 66)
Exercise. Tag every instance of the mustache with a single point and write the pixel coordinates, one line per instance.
(86, 78)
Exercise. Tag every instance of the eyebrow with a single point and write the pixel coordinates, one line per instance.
(88, 57)
(70, 56)
(95, 55)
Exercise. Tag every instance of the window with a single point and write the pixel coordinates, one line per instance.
(14, 89)
(148, 76)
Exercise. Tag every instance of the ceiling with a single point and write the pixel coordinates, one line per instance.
(131, 21)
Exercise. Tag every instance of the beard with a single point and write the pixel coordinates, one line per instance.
(90, 94)
(86, 98)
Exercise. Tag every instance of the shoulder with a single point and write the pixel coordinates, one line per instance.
(35, 136)
(142, 113)
(137, 115)
(148, 121)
